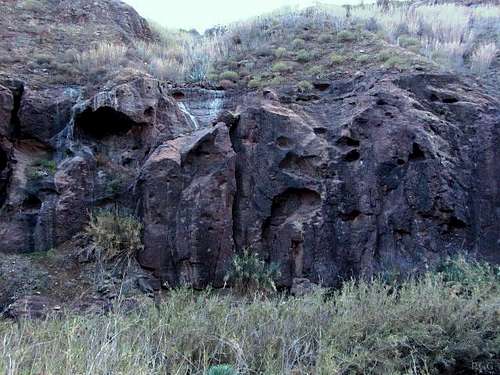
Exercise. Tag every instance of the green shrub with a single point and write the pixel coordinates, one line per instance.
(468, 274)
(33, 5)
(298, 43)
(41, 169)
(48, 165)
(280, 67)
(396, 62)
(277, 81)
(363, 59)
(317, 70)
(385, 55)
(115, 235)
(221, 370)
(280, 52)
(407, 41)
(249, 273)
(254, 83)
(303, 56)
(305, 86)
(336, 59)
(325, 38)
(229, 75)
(346, 36)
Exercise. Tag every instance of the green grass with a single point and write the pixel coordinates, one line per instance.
(280, 67)
(447, 322)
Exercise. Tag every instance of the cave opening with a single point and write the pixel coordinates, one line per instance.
(103, 123)
(416, 153)
(3, 160)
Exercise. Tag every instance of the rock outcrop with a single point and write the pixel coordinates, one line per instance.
(387, 173)
(377, 172)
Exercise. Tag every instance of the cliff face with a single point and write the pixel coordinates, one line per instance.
(375, 172)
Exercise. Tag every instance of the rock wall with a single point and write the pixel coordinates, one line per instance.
(387, 173)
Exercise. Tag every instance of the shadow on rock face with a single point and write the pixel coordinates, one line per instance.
(3, 177)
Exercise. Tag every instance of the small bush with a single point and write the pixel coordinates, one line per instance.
(346, 36)
(229, 75)
(336, 59)
(325, 38)
(33, 5)
(363, 59)
(384, 55)
(305, 86)
(221, 370)
(254, 83)
(316, 71)
(298, 43)
(41, 169)
(280, 67)
(115, 235)
(396, 62)
(48, 165)
(277, 81)
(249, 273)
(303, 56)
(407, 41)
(468, 273)
(280, 52)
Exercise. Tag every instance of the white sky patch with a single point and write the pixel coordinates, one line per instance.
(203, 14)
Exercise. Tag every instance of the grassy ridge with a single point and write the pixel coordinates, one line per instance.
(448, 320)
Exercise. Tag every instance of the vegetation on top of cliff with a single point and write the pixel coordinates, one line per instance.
(301, 45)
(444, 322)
(418, 35)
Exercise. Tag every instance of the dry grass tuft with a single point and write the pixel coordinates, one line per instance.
(116, 236)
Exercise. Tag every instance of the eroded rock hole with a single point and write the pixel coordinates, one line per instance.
(292, 201)
(455, 223)
(103, 123)
(320, 131)
(32, 203)
(177, 95)
(450, 100)
(350, 216)
(348, 141)
(149, 111)
(352, 156)
(417, 153)
(283, 142)
(321, 86)
(301, 165)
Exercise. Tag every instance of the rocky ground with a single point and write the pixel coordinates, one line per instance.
(374, 170)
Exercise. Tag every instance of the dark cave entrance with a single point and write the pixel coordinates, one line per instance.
(103, 123)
